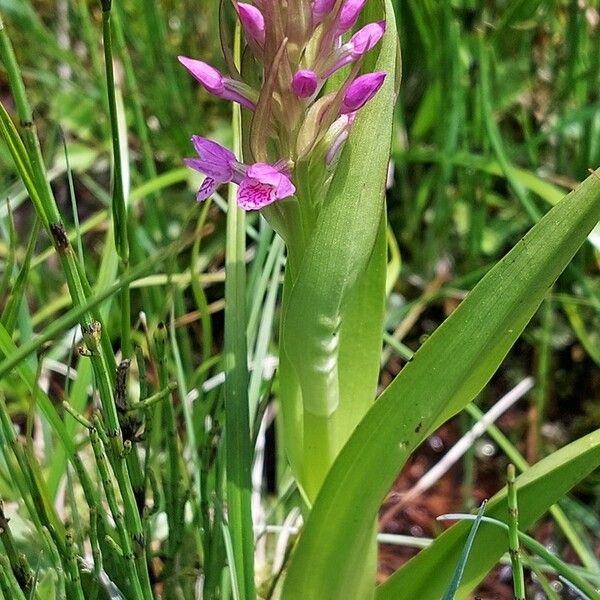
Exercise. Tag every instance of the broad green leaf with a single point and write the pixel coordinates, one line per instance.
(446, 373)
(340, 278)
(539, 487)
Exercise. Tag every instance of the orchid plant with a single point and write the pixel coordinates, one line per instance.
(323, 65)
(301, 114)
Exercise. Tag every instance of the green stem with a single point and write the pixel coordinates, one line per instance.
(556, 511)
(8, 584)
(562, 568)
(87, 33)
(237, 418)
(174, 504)
(120, 523)
(119, 209)
(513, 535)
(75, 581)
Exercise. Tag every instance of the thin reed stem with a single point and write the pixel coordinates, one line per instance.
(513, 535)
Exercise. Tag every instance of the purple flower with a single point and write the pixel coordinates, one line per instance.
(349, 14)
(252, 21)
(217, 84)
(360, 43)
(260, 184)
(320, 9)
(366, 38)
(304, 83)
(361, 90)
(216, 162)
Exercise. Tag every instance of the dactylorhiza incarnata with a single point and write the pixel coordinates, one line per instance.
(299, 123)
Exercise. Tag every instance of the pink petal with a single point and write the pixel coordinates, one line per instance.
(349, 14)
(253, 195)
(285, 188)
(264, 173)
(207, 189)
(263, 185)
(213, 159)
(320, 9)
(216, 83)
(366, 38)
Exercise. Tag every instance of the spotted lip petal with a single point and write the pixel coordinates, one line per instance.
(263, 185)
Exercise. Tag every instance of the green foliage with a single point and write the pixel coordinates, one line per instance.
(443, 377)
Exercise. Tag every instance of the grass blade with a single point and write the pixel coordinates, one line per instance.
(460, 567)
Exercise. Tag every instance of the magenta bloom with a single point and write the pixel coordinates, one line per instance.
(260, 184)
(304, 83)
(349, 14)
(216, 162)
(320, 9)
(360, 43)
(252, 21)
(217, 84)
(361, 90)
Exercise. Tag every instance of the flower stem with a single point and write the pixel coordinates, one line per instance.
(237, 419)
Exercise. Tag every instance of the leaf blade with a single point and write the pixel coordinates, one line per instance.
(446, 373)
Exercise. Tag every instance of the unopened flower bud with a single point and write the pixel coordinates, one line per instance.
(366, 38)
(337, 136)
(304, 83)
(361, 90)
(360, 43)
(320, 9)
(217, 84)
(349, 14)
(252, 21)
